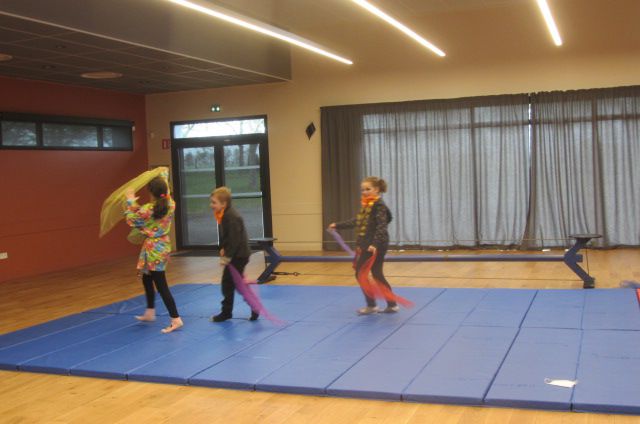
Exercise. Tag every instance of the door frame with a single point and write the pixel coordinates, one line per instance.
(218, 142)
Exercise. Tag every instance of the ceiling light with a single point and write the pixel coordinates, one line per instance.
(551, 25)
(382, 15)
(5, 57)
(101, 75)
(261, 27)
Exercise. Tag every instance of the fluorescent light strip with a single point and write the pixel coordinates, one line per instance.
(551, 25)
(382, 15)
(260, 27)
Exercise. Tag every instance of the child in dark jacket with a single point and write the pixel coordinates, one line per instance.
(234, 248)
(372, 236)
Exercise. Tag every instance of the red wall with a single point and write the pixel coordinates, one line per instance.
(50, 200)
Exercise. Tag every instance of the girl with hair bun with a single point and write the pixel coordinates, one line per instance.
(372, 239)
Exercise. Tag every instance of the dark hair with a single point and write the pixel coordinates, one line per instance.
(378, 183)
(158, 187)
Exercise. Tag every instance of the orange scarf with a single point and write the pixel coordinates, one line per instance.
(219, 215)
(368, 200)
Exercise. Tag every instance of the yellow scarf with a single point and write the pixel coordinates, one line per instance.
(363, 217)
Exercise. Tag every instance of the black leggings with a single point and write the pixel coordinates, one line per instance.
(163, 288)
(228, 285)
(376, 271)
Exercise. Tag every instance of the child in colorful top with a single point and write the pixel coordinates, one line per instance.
(234, 249)
(153, 220)
(372, 237)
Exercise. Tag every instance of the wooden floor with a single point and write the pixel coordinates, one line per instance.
(37, 398)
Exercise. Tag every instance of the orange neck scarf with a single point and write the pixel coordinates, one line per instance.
(368, 200)
(219, 215)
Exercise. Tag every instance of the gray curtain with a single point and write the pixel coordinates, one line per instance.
(341, 132)
(515, 170)
(457, 169)
(585, 177)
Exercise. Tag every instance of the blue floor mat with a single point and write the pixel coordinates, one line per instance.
(537, 354)
(494, 347)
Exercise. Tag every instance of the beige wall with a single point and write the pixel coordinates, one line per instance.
(295, 161)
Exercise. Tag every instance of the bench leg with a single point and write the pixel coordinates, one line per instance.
(272, 259)
(571, 260)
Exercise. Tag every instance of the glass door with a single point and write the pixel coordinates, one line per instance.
(242, 175)
(210, 154)
(197, 173)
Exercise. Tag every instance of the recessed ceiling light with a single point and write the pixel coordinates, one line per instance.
(548, 19)
(5, 57)
(257, 26)
(385, 17)
(101, 75)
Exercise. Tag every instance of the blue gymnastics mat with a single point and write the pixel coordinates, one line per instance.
(496, 347)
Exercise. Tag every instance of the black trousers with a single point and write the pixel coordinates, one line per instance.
(228, 286)
(376, 271)
(159, 278)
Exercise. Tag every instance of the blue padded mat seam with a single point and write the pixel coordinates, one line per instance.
(573, 390)
(363, 356)
(575, 375)
(19, 366)
(506, 354)
(402, 396)
(236, 352)
(378, 344)
(524, 316)
(48, 334)
(302, 353)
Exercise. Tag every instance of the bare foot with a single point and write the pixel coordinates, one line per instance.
(175, 324)
(149, 315)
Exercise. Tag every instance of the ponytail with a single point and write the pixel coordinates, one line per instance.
(158, 187)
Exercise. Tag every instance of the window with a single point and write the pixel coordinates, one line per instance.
(447, 164)
(219, 128)
(64, 135)
(25, 131)
(19, 133)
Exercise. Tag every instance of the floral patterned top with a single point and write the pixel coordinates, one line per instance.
(154, 254)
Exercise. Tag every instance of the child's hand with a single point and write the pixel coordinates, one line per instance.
(222, 253)
(332, 226)
(130, 194)
(372, 249)
(224, 261)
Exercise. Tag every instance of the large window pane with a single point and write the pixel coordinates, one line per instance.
(117, 138)
(219, 128)
(19, 133)
(64, 135)
(198, 179)
(242, 169)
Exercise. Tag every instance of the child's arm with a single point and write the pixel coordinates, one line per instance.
(134, 215)
(381, 219)
(349, 223)
(235, 238)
